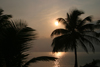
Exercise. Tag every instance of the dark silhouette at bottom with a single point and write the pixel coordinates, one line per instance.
(92, 64)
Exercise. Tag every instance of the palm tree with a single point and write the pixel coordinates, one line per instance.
(76, 33)
(14, 42)
(3, 19)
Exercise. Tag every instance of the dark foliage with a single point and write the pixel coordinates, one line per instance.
(92, 64)
(76, 33)
(15, 37)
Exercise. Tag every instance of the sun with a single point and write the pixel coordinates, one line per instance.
(58, 54)
(56, 23)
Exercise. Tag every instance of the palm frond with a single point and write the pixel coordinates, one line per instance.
(82, 22)
(5, 17)
(97, 25)
(76, 12)
(1, 10)
(58, 43)
(98, 22)
(87, 42)
(68, 18)
(18, 24)
(63, 42)
(89, 18)
(74, 16)
(41, 58)
(87, 27)
(92, 33)
(62, 20)
(93, 39)
(83, 45)
(59, 31)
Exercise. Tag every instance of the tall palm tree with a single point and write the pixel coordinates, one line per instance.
(3, 19)
(14, 42)
(77, 32)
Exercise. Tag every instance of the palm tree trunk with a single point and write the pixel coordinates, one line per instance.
(76, 64)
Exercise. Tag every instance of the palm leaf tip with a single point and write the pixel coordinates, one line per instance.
(41, 58)
(46, 58)
(89, 18)
(76, 12)
(59, 32)
(61, 20)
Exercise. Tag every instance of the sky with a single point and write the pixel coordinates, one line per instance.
(42, 14)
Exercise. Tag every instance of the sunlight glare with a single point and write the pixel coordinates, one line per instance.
(58, 54)
(56, 23)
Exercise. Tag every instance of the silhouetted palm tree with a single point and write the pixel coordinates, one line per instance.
(14, 41)
(3, 19)
(76, 32)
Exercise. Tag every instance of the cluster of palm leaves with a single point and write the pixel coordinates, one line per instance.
(77, 32)
(14, 42)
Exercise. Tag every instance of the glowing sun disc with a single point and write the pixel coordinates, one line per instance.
(58, 54)
(56, 23)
